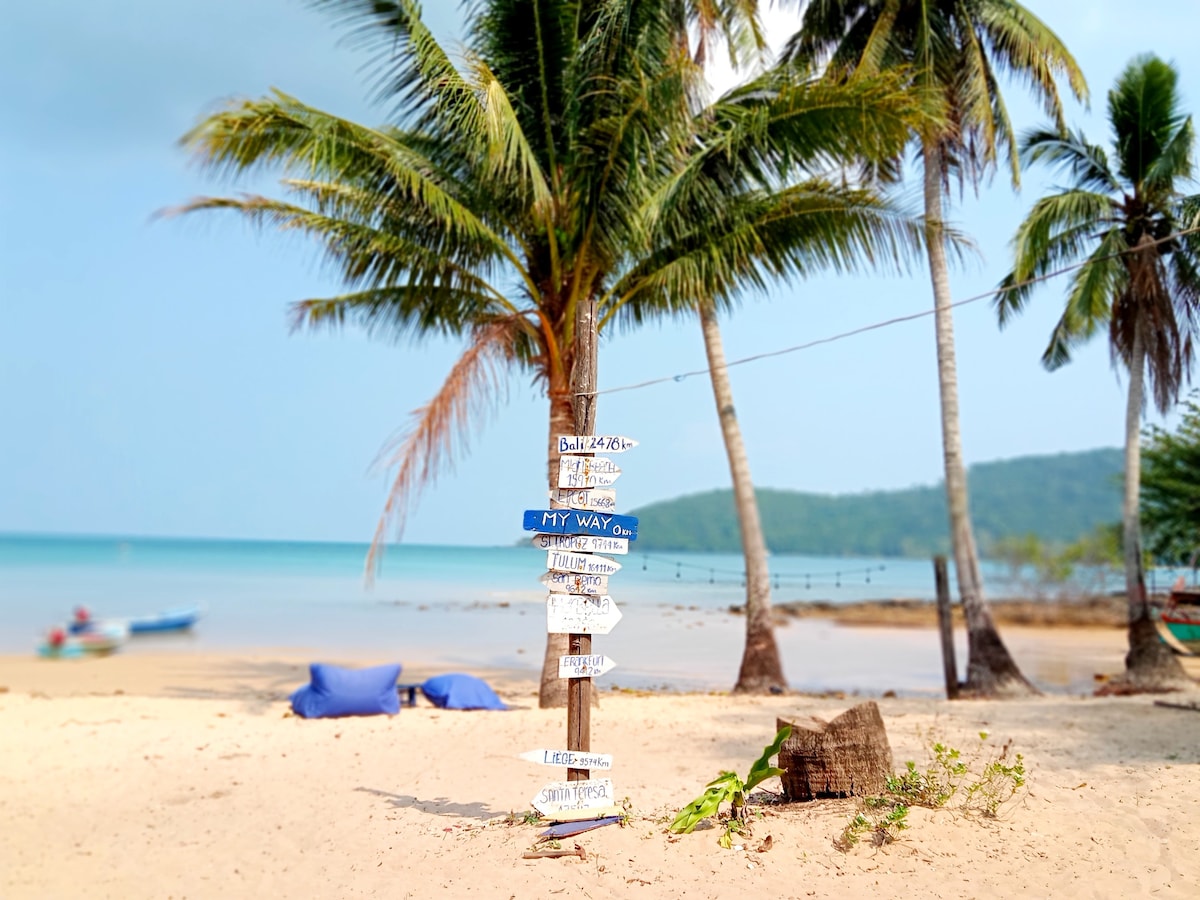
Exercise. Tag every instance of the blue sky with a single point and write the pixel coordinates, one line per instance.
(149, 384)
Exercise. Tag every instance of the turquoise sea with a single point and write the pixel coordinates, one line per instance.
(461, 607)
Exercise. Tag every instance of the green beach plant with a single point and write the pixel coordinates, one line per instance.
(729, 788)
(975, 784)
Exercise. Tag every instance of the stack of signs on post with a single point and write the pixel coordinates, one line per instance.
(575, 537)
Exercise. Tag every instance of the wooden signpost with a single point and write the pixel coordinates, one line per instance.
(576, 583)
(581, 543)
(569, 758)
(573, 614)
(578, 604)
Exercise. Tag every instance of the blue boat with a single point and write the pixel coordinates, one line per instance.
(169, 620)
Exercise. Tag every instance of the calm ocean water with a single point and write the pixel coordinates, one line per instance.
(445, 606)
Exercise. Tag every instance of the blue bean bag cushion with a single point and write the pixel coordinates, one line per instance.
(458, 691)
(335, 691)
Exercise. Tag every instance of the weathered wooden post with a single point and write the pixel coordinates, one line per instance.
(581, 525)
(946, 626)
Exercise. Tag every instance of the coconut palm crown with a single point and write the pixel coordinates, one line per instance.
(560, 161)
(957, 52)
(1127, 219)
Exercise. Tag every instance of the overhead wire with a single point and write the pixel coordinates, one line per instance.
(885, 323)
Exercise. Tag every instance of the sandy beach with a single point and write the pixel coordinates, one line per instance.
(184, 775)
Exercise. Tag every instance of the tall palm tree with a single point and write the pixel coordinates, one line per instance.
(955, 50)
(1140, 278)
(529, 181)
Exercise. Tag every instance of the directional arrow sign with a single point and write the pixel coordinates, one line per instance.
(584, 666)
(564, 796)
(599, 500)
(574, 521)
(576, 583)
(586, 471)
(576, 759)
(572, 614)
(594, 443)
(563, 561)
(580, 543)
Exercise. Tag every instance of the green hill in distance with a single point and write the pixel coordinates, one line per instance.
(1059, 498)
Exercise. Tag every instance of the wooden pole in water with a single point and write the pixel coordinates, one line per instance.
(583, 390)
(946, 626)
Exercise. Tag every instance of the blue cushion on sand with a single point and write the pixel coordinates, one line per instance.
(335, 691)
(457, 691)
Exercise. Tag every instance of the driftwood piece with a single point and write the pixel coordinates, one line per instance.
(849, 756)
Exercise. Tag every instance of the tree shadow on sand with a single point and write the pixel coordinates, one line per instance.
(439, 806)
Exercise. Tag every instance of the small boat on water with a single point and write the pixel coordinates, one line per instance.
(101, 641)
(1180, 620)
(169, 620)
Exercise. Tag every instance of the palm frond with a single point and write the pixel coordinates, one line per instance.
(440, 428)
(1090, 299)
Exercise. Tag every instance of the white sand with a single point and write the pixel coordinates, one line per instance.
(196, 781)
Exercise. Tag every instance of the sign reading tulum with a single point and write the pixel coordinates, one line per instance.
(572, 614)
(560, 561)
(582, 525)
(581, 543)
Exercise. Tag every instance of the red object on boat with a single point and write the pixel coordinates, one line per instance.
(57, 637)
(82, 614)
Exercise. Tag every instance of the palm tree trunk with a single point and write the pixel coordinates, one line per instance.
(761, 671)
(552, 690)
(991, 671)
(1149, 662)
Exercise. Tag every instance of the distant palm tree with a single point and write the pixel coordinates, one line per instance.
(955, 51)
(1140, 280)
(561, 166)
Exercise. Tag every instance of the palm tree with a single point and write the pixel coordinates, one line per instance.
(532, 183)
(1140, 277)
(955, 51)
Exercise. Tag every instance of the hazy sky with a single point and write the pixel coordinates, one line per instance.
(149, 384)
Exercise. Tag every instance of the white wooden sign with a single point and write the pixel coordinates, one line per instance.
(586, 471)
(584, 666)
(594, 499)
(581, 543)
(572, 614)
(576, 583)
(575, 759)
(594, 443)
(562, 561)
(564, 796)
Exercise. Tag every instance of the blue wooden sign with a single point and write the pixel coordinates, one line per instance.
(580, 521)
